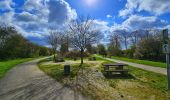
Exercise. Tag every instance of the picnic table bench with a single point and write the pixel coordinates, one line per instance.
(116, 67)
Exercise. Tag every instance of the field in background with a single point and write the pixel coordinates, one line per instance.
(145, 62)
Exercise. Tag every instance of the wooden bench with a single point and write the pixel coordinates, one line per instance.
(125, 71)
(116, 68)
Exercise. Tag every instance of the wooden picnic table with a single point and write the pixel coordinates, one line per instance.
(116, 67)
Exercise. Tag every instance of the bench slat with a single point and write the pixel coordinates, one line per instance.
(115, 64)
(116, 70)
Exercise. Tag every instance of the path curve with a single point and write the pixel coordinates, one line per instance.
(27, 82)
(145, 67)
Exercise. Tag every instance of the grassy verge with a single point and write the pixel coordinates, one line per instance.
(155, 80)
(155, 84)
(56, 71)
(144, 62)
(7, 65)
(140, 85)
(152, 79)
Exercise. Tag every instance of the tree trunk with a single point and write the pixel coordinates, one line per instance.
(126, 43)
(54, 52)
(82, 51)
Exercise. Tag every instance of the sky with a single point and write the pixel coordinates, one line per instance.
(32, 18)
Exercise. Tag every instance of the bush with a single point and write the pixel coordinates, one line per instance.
(102, 50)
(150, 49)
(129, 52)
(92, 59)
(13, 45)
(75, 54)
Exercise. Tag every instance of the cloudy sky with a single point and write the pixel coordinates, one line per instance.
(32, 18)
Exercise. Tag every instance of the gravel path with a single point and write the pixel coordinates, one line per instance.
(27, 82)
(145, 67)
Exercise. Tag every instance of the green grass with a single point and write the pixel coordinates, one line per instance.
(145, 62)
(145, 82)
(155, 80)
(151, 79)
(7, 65)
(56, 71)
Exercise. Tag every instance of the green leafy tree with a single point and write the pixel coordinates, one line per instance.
(149, 48)
(102, 50)
(44, 51)
(14, 45)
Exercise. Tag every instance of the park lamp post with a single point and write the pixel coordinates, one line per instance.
(166, 50)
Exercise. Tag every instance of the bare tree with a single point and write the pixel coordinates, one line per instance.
(138, 35)
(65, 42)
(54, 39)
(82, 33)
(135, 37)
(115, 39)
(123, 36)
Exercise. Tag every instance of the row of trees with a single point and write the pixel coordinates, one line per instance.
(140, 44)
(82, 35)
(14, 45)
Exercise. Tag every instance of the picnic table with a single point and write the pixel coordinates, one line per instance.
(116, 67)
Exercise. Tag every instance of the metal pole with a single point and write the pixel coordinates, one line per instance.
(168, 70)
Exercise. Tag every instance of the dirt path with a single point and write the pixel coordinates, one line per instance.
(27, 82)
(145, 67)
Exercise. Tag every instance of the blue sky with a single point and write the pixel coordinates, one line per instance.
(32, 18)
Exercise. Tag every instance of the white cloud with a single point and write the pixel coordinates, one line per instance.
(108, 16)
(104, 28)
(30, 5)
(136, 22)
(140, 22)
(157, 7)
(7, 18)
(101, 25)
(26, 17)
(60, 12)
(6, 4)
(124, 13)
(37, 16)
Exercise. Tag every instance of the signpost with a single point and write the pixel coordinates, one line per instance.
(166, 49)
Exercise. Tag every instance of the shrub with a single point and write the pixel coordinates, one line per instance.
(129, 52)
(150, 49)
(92, 59)
(75, 54)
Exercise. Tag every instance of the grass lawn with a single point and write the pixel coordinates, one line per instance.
(155, 80)
(56, 71)
(141, 85)
(7, 65)
(145, 62)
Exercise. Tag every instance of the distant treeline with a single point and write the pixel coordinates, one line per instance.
(14, 45)
(140, 44)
